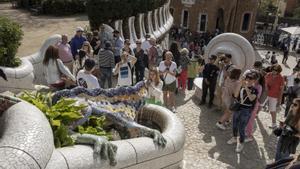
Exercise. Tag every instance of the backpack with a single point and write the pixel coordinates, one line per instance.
(227, 67)
(292, 94)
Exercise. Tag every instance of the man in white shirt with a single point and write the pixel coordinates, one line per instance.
(146, 44)
(85, 78)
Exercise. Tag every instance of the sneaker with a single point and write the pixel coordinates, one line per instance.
(239, 147)
(249, 139)
(220, 126)
(173, 109)
(227, 123)
(273, 126)
(233, 140)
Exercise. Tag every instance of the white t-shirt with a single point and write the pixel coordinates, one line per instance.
(125, 75)
(146, 46)
(88, 81)
(290, 80)
(168, 78)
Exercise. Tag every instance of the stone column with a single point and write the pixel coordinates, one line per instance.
(132, 33)
(157, 32)
(119, 27)
(161, 19)
(150, 26)
(142, 27)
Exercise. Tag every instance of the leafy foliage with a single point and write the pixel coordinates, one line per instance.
(267, 6)
(107, 11)
(94, 126)
(297, 13)
(63, 114)
(60, 115)
(54, 7)
(63, 7)
(10, 37)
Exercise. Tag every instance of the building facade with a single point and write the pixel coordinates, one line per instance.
(236, 16)
(291, 5)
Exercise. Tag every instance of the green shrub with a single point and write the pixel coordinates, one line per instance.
(63, 114)
(63, 7)
(108, 11)
(10, 37)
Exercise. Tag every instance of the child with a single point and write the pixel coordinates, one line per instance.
(193, 71)
(273, 59)
(79, 62)
(85, 78)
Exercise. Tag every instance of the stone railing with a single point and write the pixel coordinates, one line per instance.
(31, 70)
(27, 142)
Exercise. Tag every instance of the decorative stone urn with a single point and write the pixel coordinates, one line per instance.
(243, 55)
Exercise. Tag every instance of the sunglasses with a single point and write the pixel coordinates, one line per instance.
(295, 104)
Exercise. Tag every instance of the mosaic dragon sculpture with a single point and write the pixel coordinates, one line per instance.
(120, 106)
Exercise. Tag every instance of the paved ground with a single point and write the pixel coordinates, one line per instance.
(205, 146)
(38, 28)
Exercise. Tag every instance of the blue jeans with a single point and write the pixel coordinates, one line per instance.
(105, 75)
(240, 121)
(280, 155)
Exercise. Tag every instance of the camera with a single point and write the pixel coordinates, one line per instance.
(288, 131)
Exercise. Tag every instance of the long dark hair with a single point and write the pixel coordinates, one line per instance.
(51, 53)
(175, 51)
(295, 120)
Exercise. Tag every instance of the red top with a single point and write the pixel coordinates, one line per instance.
(274, 84)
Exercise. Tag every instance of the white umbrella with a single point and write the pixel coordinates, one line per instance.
(295, 30)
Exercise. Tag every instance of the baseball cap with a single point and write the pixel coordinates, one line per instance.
(79, 29)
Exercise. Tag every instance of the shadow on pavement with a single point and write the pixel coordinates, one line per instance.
(269, 140)
(249, 158)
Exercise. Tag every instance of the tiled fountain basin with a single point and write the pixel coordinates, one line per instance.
(27, 142)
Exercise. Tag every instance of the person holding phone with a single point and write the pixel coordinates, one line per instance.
(246, 99)
(288, 132)
(167, 69)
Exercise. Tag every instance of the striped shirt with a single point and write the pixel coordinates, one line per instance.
(106, 58)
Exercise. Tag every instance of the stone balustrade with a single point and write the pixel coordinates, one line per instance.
(30, 71)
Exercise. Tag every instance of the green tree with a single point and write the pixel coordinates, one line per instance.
(267, 6)
(10, 37)
(296, 13)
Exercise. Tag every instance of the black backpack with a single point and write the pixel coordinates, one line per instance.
(292, 94)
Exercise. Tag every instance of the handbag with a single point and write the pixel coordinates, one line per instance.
(235, 106)
(163, 80)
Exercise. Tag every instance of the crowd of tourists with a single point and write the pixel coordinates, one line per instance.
(99, 58)
(95, 61)
(244, 94)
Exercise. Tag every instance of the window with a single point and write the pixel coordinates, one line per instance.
(202, 23)
(246, 22)
(185, 18)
